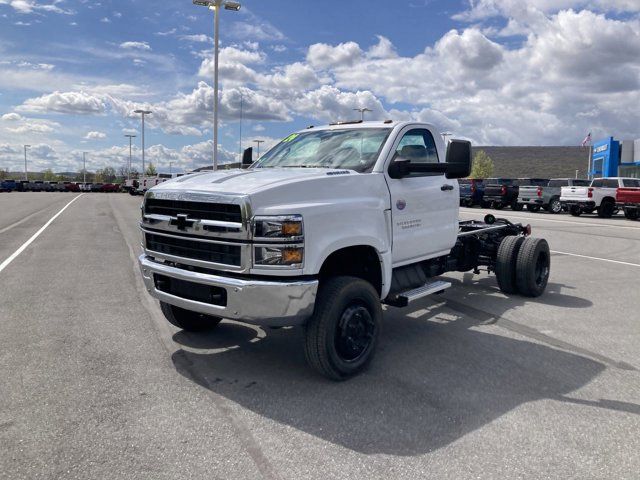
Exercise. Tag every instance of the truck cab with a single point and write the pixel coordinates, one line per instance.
(329, 224)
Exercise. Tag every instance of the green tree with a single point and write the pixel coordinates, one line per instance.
(482, 165)
(4, 173)
(108, 174)
(49, 176)
(151, 169)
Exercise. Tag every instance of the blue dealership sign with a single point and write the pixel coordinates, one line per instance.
(605, 158)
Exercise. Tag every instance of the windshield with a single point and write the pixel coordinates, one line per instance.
(354, 149)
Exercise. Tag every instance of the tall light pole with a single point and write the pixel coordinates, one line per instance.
(362, 110)
(240, 141)
(143, 113)
(170, 165)
(259, 142)
(131, 137)
(84, 168)
(26, 174)
(215, 6)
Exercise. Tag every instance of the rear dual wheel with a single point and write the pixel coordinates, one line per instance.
(523, 265)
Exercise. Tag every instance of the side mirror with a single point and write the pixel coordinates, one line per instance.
(458, 159)
(399, 168)
(247, 157)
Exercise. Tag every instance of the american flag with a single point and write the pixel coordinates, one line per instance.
(587, 140)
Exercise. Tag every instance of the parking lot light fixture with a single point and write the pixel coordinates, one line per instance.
(215, 6)
(26, 174)
(143, 113)
(258, 142)
(362, 111)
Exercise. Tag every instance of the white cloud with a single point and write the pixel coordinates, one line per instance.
(30, 6)
(256, 31)
(201, 38)
(11, 117)
(135, 46)
(321, 55)
(79, 103)
(93, 135)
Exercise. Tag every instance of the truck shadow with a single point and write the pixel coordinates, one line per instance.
(436, 378)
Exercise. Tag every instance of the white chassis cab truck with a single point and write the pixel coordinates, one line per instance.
(327, 226)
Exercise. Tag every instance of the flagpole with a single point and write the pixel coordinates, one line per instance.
(589, 163)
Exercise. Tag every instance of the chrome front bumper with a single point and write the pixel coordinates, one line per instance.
(268, 303)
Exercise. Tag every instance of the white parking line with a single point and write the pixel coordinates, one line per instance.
(597, 258)
(13, 256)
(541, 219)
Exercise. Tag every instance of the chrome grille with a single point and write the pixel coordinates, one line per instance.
(225, 212)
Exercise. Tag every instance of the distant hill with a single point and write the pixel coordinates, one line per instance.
(543, 162)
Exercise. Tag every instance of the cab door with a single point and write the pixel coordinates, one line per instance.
(424, 206)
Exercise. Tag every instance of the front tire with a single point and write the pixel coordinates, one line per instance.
(533, 267)
(631, 213)
(188, 320)
(554, 206)
(342, 335)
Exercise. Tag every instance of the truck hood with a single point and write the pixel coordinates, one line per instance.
(248, 182)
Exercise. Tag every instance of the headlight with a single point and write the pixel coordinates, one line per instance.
(282, 227)
(290, 256)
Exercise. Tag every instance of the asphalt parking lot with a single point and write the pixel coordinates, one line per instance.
(94, 383)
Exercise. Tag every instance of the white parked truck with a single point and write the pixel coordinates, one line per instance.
(600, 196)
(326, 227)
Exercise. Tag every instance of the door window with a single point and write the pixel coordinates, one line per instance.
(418, 146)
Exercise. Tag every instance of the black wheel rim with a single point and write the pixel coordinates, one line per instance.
(542, 268)
(355, 332)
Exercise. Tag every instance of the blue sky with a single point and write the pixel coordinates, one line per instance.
(499, 72)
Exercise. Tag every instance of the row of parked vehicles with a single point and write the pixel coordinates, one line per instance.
(604, 196)
(42, 186)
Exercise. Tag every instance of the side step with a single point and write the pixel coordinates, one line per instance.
(405, 298)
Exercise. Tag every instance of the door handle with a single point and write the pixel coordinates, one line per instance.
(446, 187)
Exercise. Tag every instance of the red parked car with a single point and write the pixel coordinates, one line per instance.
(72, 187)
(628, 199)
(110, 187)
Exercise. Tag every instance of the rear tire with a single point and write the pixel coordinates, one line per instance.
(631, 213)
(575, 210)
(188, 320)
(533, 267)
(506, 263)
(517, 207)
(342, 335)
(606, 209)
(533, 208)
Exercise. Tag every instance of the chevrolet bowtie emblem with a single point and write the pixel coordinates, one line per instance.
(182, 221)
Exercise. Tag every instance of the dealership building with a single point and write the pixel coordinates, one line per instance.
(614, 158)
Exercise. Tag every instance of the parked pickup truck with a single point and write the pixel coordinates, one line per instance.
(628, 199)
(8, 186)
(471, 192)
(327, 226)
(600, 196)
(547, 196)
